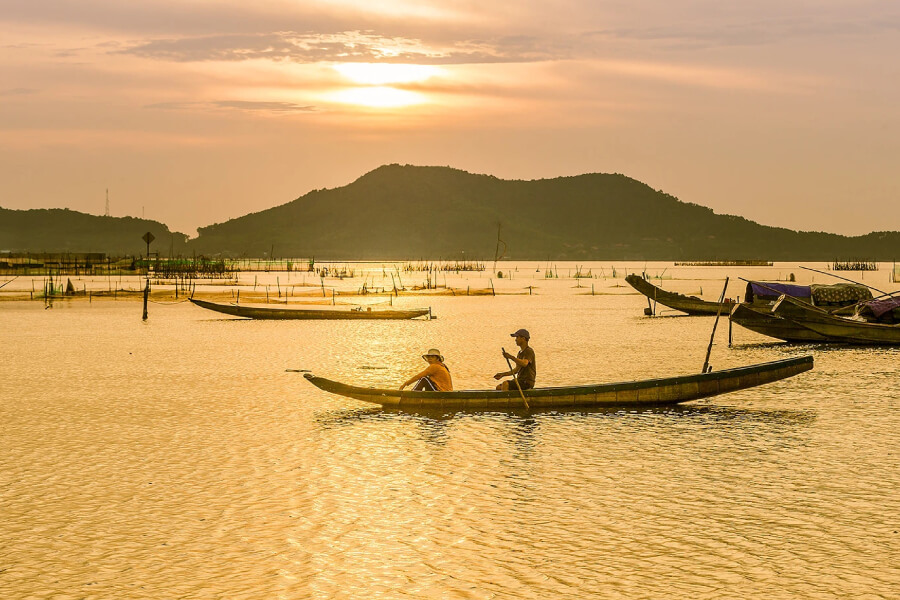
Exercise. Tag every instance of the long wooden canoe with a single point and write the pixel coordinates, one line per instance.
(689, 304)
(268, 312)
(841, 329)
(671, 390)
(759, 318)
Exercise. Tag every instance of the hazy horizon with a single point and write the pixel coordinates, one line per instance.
(193, 113)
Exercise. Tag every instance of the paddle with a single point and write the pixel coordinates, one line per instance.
(706, 367)
(518, 387)
(297, 371)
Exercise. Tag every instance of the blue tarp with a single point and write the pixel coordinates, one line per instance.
(773, 290)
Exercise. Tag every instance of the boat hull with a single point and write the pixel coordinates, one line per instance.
(839, 329)
(671, 390)
(688, 304)
(761, 320)
(257, 312)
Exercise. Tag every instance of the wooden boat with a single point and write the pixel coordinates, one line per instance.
(689, 304)
(759, 318)
(841, 329)
(671, 390)
(756, 313)
(281, 312)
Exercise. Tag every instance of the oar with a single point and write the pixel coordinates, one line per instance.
(518, 387)
(297, 371)
(716, 324)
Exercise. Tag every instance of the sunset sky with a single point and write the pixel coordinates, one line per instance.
(193, 112)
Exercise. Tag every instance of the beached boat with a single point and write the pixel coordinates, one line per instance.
(281, 312)
(689, 304)
(851, 330)
(671, 390)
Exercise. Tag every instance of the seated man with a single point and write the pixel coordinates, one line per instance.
(524, 368)
(435, 377)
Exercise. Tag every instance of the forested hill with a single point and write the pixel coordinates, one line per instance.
(408, 212)
(63, 230)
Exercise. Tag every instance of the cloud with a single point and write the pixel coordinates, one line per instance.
(471, 44)
(278, 107)
(244, 105)
(18, 92)
(349, 46)
(750, 29)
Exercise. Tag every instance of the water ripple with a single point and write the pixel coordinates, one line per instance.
(176, 458)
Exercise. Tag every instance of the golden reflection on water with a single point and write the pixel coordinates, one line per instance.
(177, 458)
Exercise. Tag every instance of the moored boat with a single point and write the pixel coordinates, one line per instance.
(761, 320)
(284, 313)
(841, 329)
(756, 313)
(670, 390)
(688, 304)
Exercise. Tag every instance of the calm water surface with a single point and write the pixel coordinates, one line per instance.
(178, 459)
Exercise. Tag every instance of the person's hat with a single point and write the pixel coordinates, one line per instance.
(434, 352)
(523, 332)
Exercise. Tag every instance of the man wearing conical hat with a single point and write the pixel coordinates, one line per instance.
(435, 377)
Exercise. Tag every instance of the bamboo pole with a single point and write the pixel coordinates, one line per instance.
(146, 296)
(706, 367)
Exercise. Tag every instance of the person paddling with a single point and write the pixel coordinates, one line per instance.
(525, 370)
(435, 377)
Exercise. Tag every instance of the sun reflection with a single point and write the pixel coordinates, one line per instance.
(378, 96)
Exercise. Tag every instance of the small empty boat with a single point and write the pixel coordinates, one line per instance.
(285, 313)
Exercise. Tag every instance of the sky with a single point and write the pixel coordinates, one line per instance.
(193, 112)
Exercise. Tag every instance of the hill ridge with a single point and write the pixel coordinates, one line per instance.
(398, 212)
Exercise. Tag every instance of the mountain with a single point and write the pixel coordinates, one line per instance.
(406, 213)
(61, 230)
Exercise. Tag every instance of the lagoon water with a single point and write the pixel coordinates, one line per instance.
(177, 458)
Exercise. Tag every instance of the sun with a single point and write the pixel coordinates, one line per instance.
(373, 84)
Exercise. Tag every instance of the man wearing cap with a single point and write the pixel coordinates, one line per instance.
(435, 377)
(525, 369)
